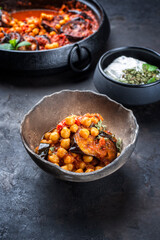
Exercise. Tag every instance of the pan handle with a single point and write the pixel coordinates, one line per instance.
(76, 49)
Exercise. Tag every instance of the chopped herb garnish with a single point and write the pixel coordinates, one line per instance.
(100, 126)
(119, 144)
(1, 8)
(52, 149)
(106, 139)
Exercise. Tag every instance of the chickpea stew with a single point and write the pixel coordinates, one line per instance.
(81, 144)
(44, 29)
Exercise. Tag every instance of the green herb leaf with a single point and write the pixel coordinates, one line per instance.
(149, 67)
(13, 42)
(106, 139)
(119, 144)
(52, 149)
(99, 125)
(6, 46)
(1, 8)
(151, 80)
(24, 43)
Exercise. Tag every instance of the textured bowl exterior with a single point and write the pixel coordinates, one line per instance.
(126, 93)
(53, 108)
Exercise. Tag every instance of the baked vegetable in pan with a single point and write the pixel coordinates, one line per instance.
(61, 26)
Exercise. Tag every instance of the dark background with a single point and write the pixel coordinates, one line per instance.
(124, 205)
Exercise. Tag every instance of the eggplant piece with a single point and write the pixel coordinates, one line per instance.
(6, 38)
(72, 26)
(15, 35)
(31, 39)
(83, 14)
(106, 135)
(2, 22)
(47, 26)
(43, 150)
(73, 38)
(93, 147)
(45, 37)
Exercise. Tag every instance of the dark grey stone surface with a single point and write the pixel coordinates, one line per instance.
(125, 205)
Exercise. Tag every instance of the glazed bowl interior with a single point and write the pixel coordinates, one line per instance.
(135, 52)
(53, 108)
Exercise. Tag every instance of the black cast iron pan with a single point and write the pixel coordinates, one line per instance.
(77, 56)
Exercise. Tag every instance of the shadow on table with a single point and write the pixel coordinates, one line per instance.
(89, 204)
(22, 80)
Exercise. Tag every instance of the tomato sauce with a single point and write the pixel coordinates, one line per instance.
(39, 29)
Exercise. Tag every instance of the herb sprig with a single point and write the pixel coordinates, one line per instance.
(14, 45)
(100, 126)
(119, 144)
(52, 149)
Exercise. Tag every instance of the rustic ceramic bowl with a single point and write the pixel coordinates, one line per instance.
(53, 108)
(128, 94)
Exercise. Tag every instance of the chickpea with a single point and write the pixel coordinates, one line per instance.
(86, 121)
(47, 135)
(1, 34)
(54, 136)
(57, 164)
(35, 31)
(52, 45)
(70, 166)
(79, 170)
(28, 30)
(30, 21)
(45, 16)
(17, 29)
(65, 167)
(53, 158)
(61, 22)
(70, 120)
(82, 165)
(89, 170)
(68, 160)
(66, 18)
(87, 159)
(95, 120)
(52, 33)
(65, 143)
(32, 25)
(44, 141)
(61, 152)
(94, 131)
(74, 155)
(84, 133)
(58, 26)
(43, 31)
(74, 128)
(98, 168)
(49, 152)
(65, 132)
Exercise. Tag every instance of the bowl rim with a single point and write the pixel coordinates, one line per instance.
(114, 50)
(70, 44)
(58, 167)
